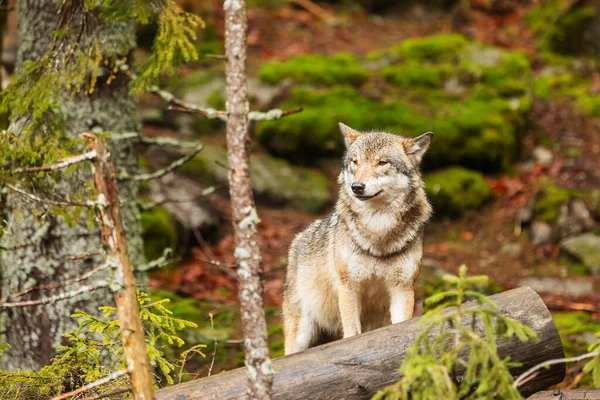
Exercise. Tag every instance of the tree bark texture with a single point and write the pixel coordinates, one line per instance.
(576, 394)
(245, 219)
(35, 332)
(357, 367)
(128, 311)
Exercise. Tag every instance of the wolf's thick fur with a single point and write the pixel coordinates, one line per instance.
(354, 270)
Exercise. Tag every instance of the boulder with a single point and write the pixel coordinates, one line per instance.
(585, 248)
(541, 233)
(273, 179)
(454, 190)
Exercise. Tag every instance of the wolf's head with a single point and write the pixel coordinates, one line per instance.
(381, 165)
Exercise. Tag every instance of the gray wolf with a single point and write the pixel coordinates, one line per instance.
(354, 270)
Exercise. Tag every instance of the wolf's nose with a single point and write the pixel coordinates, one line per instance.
(358, 187)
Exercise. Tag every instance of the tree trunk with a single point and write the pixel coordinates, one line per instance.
(357, 367)
(245, 219)
(35, 332)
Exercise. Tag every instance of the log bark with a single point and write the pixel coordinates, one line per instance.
(128, 311)
(357, 367)
(576, 394)
(245, 218)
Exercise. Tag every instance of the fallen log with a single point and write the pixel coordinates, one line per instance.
(575, 394)
(357, 367)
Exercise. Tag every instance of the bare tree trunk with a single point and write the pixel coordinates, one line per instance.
(35, 332)
(245, 219)
(132, 331)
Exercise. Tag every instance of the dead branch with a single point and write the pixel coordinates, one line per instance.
(177, 104)
(159, 262)
(57, 285)
(109, 395)
(99, 382)
(113, 232)
(168, 142)
(83, 256)
(57, 203)
(206, 192)
(245, 219)
(65, 162)
(54, 299)
(532, 372)
(164, 171)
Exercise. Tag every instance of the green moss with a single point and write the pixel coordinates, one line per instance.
(339, 69)
(273, 179)
(159, 232)
(416, 74)
(549, 200)
(566, 34)
(437, 48)
(216, 100)
(571, 325)
(454, 190)
(589, 104)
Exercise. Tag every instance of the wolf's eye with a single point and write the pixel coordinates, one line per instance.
(383, 162)
(355, 161)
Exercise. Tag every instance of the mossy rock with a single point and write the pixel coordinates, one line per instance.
(454, 190)
(273, 179)
(315, 69)
(475, 132)
(549, 200)
(437, 48)
(159, 232)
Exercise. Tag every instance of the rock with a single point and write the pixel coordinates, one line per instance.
(585, 248)
(183, 198)
(559, 286)
(474, 97)
(454, 190)
(159, 231)
(549, 200)
(512, 249)
(540, 233)
(273, 179)
(543, 156)
(574, 218)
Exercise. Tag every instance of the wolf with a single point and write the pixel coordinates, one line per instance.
(354, 270)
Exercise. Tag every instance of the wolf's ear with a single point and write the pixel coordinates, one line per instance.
(350, 135)
(415, 148)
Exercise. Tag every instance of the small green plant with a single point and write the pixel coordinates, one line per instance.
(95, 351)
(450, 359)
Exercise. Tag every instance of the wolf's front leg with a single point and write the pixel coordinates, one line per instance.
(402, 303)
(349, 310)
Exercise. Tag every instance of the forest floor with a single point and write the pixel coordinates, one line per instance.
(485, 240)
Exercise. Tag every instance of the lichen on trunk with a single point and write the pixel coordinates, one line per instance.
(35, 332)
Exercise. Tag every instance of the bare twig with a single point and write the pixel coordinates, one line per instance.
(109, 395)
(531, 372)
(51, 202)
(82, 256)
(164, 171)
(185, 106)
(159, 262)
(206, 192)
(167, 141)
(99, 382)
(214, 354)
(64, 163)
(54, 299)
(316, 10)
(57, 285)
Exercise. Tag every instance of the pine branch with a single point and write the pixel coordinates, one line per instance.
(52, 202)
(64, 163)
(54, 299)
(99, 382)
